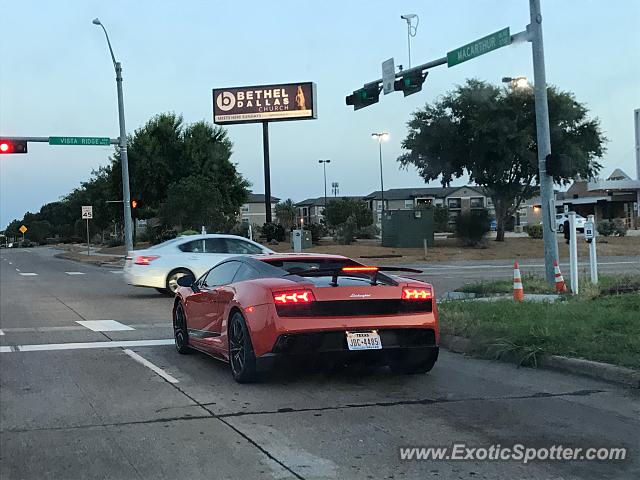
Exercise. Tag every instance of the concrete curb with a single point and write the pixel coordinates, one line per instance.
(90, 260)
(491, 297)
(577, 366)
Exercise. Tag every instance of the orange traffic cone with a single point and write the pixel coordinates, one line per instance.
(561, 287)
(518, 291)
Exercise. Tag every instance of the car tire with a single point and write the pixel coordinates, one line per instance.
(164, 291)
(180, 331)
(171, 285)
(242, 359)
(406, 363)
(561, 228)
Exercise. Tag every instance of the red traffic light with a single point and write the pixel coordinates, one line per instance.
(134, 203)
(8, 145)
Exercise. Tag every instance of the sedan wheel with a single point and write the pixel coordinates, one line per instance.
(180, 333)
(172, 279)
(241, 357)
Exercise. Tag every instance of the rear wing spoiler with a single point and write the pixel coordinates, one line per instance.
(350, 270)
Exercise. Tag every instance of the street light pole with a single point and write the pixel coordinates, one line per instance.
(544, 139)
(380, 136)
(324, 169)
(126, 194)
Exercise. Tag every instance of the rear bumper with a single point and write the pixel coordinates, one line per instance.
(331, 346)
(144, 277)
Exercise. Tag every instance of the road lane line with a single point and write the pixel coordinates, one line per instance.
(150, 366)
(17, 269)
(29, 274)
(104, 325)
(88, 345)
(74, 273)
(4, 349)
(1, 332)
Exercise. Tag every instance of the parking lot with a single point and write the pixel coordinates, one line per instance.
(91, 386)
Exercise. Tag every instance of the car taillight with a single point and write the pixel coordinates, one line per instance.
(416, 294)
(359, 269)
(145, 259)
(291, 297)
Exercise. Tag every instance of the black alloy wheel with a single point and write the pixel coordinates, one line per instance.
(180, 333)
(242, 359)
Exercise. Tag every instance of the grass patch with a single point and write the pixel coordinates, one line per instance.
(607, 285)
(531, 283)
(604, 329)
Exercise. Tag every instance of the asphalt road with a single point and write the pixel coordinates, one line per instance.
(79, 403)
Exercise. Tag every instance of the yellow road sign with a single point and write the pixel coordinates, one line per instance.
(23, 229)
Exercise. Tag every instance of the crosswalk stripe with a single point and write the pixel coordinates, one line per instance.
(104, 325)
(74, 273)
(28, 274)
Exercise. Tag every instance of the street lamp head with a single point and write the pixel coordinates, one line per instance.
(96, 21)
(520, 82)
(408, 16)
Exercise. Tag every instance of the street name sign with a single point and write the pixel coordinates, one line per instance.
(79, 141)
(87, 212)
(23, 229)
(498, 39)
(388, 75)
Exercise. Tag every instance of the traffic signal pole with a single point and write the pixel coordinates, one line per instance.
(544, 140)
(126, 194)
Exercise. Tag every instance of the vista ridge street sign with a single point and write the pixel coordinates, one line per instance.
(498, 39)
(80, 141)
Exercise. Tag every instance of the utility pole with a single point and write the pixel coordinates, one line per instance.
(324, 169)
(544, 139)
(122, 149)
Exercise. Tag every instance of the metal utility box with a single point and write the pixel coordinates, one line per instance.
(300, 239)
(407, 228)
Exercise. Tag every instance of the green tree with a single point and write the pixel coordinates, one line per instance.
(339, 210)
(286, 214)
(489, 133)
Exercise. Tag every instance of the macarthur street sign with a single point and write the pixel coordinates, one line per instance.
(260, 103)
(501, 38)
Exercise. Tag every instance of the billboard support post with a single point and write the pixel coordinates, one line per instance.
(267, 171)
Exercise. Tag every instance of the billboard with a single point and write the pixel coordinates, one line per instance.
(261, 103)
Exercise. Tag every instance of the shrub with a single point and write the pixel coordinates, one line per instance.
(273, 231)
(471, 227)
(534, 231)
(188, 232)
(620, 228)
(606, 228)
(368, 232)
(318, 230)
(346, 231)
(241, 229)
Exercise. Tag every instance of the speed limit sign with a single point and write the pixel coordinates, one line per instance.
(87, 212)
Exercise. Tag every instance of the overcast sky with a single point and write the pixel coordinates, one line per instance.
(56, 78)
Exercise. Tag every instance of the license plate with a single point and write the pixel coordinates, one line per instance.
(364, 340)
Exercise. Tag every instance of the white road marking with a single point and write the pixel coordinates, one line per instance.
(104, 325)
(86, 345)
(4, 349)
(151, 366)
(1, 332)
(10, 263)
(17, 269)
(116, 271)
(74, 273)
(28, 274)
(135, 326)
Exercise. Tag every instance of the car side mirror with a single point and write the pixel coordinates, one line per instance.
(186, 280)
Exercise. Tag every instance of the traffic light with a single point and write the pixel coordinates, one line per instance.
(410, 83)
(364, 97)
(8, 145)
(134, 204)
